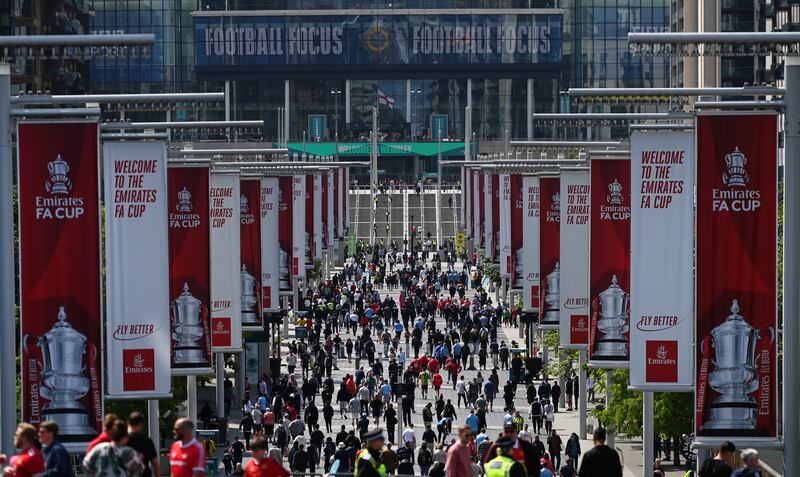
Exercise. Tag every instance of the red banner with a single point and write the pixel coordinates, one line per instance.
(59, 236)
(189, 269)
(609, 262)
(495, 178)
(250, 249)
(549, 250)
(285, 215)
(481, 208)
(467, 192)
(336, 188)
(310, 242)
(517, 275)
(736, 385)
(325, 216)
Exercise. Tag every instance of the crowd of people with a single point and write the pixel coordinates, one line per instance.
(404, 354)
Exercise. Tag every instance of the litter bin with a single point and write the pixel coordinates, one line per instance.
(212, 466)
(300, 332)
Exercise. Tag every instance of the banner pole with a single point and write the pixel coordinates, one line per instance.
(191, 398)
(647, 432)
(581, 394)
(791, 266)
(610, 433)
(220, 390)
(8, 332)
(153, 425)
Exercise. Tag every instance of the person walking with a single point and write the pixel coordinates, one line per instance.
(568, 392)
(717, 466)
(261, 465)
(56, 457)
(115, 458)
(601, 460)
(555, 394)
(187, 457)
(554, 447)
(139, 441)
(752, 467)
(503, 465)
(549, 416)
(573, 447)
(458, 460)
(368, 460)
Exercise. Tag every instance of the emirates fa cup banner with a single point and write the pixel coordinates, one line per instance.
(316, 246)
(495, 201)
(301, 244)
(311, 233)
(226, 283)
(137, 270)
(486, 213)
(337, 215)
(327, 210)
(609, 262)
(505, 225)
(464, 199)
(549, 243)
(530, 237)
(250, 215)
(60, 290)
(189, 270)
(477, 209)
(737, 386)
(517, 276)
(346, 199)
(274, 261)
(285, 234)
(574, 247)
(662, 258)
(466, 195)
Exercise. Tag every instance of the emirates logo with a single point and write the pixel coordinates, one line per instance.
(184, 201)
(615, 193)
(138, 360)
(735, 175)
(58, 183)
(581, 323)
(244, 208)
(220, 327)
(661, 353)
(282, 204)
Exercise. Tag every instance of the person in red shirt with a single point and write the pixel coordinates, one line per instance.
(187, 458)
(261, 465)
(436, 381)
(108, 422)
(29, 462)
(433, 365)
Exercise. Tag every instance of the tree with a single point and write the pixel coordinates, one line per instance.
(672, 414)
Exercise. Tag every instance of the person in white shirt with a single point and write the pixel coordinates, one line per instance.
(590, 388)
(409, 436)
(525, 434)
(549, 416)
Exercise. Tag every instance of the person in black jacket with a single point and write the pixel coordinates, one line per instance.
(601, 460)
(532, 455)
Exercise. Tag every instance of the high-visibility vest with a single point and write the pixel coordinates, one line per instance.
(500, 466)
(518, 422)
(379, 467)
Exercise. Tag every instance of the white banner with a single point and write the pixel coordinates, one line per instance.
(661, 326)
(488, 243)
(299, 226)
(477, 240)
(505, 225)
(270, 250)
(530, 237)
(137, 270)
(316, 246)
(574, 246)
(226, 279)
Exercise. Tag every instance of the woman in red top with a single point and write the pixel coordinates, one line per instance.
(433, 365)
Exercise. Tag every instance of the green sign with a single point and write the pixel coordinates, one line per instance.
(392, 149)
(439, 126)
(316, 126)
(351, 243)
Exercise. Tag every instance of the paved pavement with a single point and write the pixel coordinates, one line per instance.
(566, 421)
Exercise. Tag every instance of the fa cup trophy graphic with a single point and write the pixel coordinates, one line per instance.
(552, 296)
(249, 299)
(518, 272)
(63, 380)
(612, 323)
(58, 183)
(188, 331)
(735, 374)
(735, 175)
(284, 272)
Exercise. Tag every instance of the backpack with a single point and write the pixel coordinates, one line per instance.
(425, 458)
